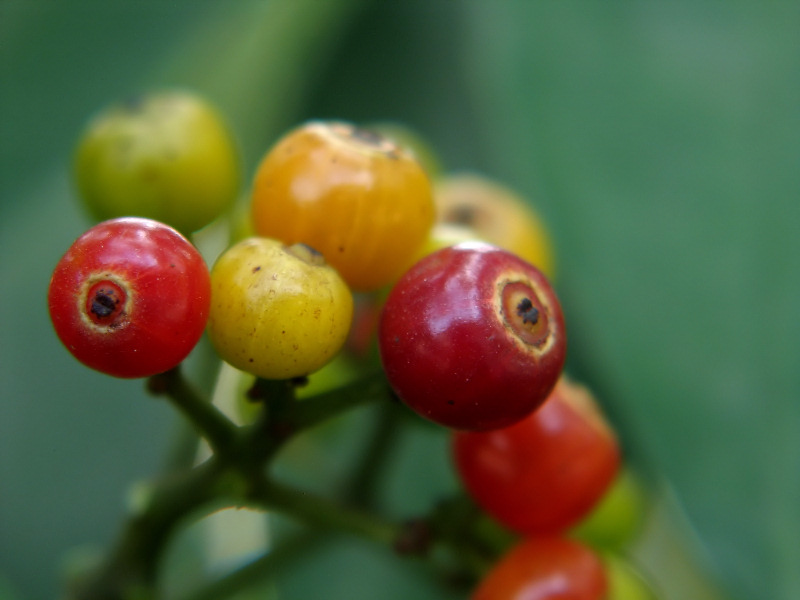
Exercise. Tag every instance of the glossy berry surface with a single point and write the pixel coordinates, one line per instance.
(358, 198)
(546, 568)
(130, 297)
(278, 311)
(166, 156)
(544, 473)
(472, 337)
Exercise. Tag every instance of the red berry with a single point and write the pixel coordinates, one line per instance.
(546, 568)
(472, 337)
(543, 474)
(130, 298)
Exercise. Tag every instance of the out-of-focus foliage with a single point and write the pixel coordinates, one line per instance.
(660, 142)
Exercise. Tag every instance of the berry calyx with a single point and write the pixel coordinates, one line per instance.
(524, 314)
(106, 303)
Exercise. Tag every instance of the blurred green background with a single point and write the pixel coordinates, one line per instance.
(661, 142)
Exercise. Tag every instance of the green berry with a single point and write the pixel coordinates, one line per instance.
(167, 156)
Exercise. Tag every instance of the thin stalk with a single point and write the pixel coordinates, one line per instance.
(307, 413)
(206, 418)
(131, 568)
(324, 513)
(360, 490)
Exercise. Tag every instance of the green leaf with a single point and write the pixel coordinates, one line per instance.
(662, 143)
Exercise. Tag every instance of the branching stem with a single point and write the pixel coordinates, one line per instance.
(236, 475)
(206, 418)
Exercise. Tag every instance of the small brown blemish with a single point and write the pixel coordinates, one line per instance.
(256, 269)
(367, 136)
(462, 215)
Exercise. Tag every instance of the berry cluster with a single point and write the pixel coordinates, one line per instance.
(345, 223)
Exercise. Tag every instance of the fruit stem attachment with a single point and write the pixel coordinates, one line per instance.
(307, 254)
(235, 475)
(206, 418)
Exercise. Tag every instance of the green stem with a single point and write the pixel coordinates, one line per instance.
(131, 568)
(361, 486)
(182, 451)
(284, 416)
(305, 414)
(209, 422)
(234, 473)
(323, 513)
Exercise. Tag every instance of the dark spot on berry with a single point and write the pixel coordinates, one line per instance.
(376, 140)
(451, 402)
(256, 269)
(367, 136)
(462, 215)
(250, 360)
(104, 303)
(528, 312)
